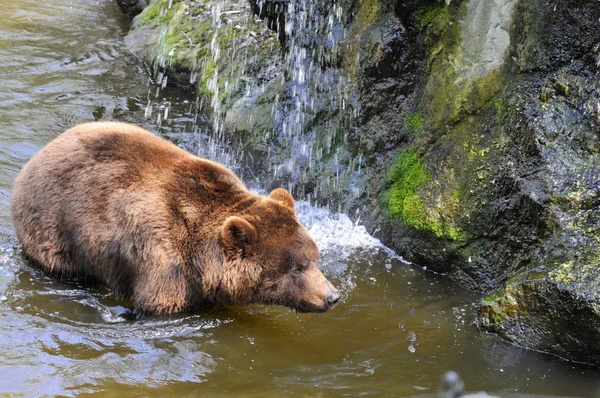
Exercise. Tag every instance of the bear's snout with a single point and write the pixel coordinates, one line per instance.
(332, 295)
(318, 294)
(332, 299)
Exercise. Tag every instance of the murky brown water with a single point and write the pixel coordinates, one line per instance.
(397, 330)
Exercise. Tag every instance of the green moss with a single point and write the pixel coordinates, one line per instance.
(367, 13)
(350, 51)
(413, 212)
(449, 95)
(149, 13)
(430, 17)
(440, 94)
(414, 123)
(562, 87)
(450, 230)
(493, 297)
(448, 101)
(185, 34)
(482, 91)
(499, 306)
(571, 272)
(407, 175)
(158, 11)
(493, 315)
(456, 234)
(500, 111)
(206, 74)
(442, 218)
(524, 277)
(435, 22)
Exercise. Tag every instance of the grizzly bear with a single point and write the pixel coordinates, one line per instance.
(114, 204)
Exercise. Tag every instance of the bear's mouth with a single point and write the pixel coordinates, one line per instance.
(306, 307)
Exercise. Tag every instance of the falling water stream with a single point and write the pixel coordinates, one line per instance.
(396, 331)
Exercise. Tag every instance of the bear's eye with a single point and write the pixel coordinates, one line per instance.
(297, 270)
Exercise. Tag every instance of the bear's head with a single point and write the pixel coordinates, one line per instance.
(270, 258)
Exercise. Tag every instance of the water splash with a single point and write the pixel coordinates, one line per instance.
(311, 104)
(213, 83)
(336, 232)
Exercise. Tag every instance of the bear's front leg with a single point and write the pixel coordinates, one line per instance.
(162, 289)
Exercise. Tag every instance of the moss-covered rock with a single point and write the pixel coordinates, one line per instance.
(407, 175)
(410, 187)
(508, 163)
(558, 136)
(218, 47)
(549, 316)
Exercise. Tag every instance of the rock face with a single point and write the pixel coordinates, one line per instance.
(557, 116)
(484, 38)
(464, 133)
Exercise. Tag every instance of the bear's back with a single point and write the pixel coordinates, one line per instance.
(117, 143)
(117, 153)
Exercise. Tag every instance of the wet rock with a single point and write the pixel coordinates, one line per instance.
(554, 297)
(218, 48)
(507, 178)
(131, 8)
(274, 13)
(550, 35)
(484, 38)
(548, 315)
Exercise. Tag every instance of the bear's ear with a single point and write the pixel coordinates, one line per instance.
(284, 197)
(238, 236)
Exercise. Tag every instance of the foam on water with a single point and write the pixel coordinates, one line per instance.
(336, 232)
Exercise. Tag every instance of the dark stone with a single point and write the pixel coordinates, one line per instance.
(131, 8)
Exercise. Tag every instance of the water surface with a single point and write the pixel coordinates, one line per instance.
(396, 331)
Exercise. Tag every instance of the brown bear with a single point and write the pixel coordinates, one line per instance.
(115, 204)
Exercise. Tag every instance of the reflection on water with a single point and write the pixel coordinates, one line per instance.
(397, 330)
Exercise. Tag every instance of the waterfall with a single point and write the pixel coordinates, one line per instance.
(311, 100)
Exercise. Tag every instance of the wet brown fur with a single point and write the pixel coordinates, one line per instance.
(113, 203)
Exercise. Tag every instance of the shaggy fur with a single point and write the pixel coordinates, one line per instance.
(115, 204)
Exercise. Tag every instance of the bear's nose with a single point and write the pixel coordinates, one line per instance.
(332, 299)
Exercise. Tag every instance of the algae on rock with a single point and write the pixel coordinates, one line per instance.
(219, 48)
(560, 126)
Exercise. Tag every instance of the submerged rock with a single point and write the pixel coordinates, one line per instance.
(548, 315)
